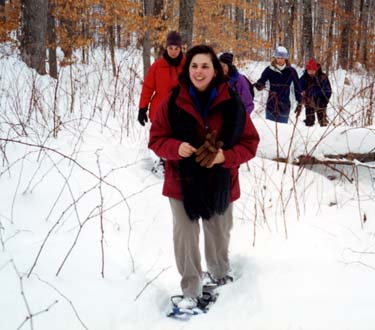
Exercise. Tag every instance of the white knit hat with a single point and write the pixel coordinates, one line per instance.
(281, 52)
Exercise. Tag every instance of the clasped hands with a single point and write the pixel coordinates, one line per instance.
(208, 154)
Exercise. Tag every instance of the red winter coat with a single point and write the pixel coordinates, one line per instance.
(159, 80)
(166, 146)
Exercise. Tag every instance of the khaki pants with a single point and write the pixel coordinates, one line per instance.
(186, 246)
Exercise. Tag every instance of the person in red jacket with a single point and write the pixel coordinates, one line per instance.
(160, 78)
(204, 133)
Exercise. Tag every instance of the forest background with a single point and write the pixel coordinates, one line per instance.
(338, 33)
(84, 231)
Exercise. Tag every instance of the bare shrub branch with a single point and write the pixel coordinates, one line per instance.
(66, 298)
(30, 315)
(101, 207)
(150, 282)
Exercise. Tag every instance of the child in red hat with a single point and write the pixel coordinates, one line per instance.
(316, 91)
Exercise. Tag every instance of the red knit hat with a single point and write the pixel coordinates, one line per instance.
(311, 65)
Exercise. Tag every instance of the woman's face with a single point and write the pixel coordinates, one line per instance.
(280, 61)
(225, 68)
(201, 71)
(173, 51)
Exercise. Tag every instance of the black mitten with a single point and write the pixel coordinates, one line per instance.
(142, 116)
(259, 86)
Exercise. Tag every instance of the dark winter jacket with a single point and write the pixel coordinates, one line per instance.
(278, 102)
(160, 79)
(239, 83)
(316, 89)
(165, 142)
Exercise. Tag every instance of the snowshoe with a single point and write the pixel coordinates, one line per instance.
(159, 168)
(210, 283)
(184, 308)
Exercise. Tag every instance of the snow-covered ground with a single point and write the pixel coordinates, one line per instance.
(86, 236)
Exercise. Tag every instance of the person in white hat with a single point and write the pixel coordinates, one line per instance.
(280, 76)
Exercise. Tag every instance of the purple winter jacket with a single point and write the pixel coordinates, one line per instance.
(239, 83)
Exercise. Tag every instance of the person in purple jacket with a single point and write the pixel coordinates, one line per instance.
(237, 81)
(280, 76)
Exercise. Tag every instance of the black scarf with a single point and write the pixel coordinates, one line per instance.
(206, 191)
(173, 61)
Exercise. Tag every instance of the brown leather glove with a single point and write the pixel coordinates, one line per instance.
(211, 138)
(207, 161)
(207, 146)
(209, 157)
(202, 149)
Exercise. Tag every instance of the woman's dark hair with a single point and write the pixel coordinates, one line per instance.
(231, 69)
(184, 77)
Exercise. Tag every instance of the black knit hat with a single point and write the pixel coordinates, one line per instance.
(174, 39)
(226, 58)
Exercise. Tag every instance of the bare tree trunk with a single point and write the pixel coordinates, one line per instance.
(111, 34)
(68, 25)
(357, 50)
(319, 30)
(51, 35)
(240, 20)
(2, 11)
(111, 37)
(118, 35)
(33, 35)
(370, 109)
(370, 52)
(148, 7)
(240, 29)
(158, 12)
(275, 23)
(267, 21)
(354, 32)
(186, 22)
(339, 159)
(330, 39)
(363, 40)
(346, 35)
(308, 43)
(84, 48)
(288, 26)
